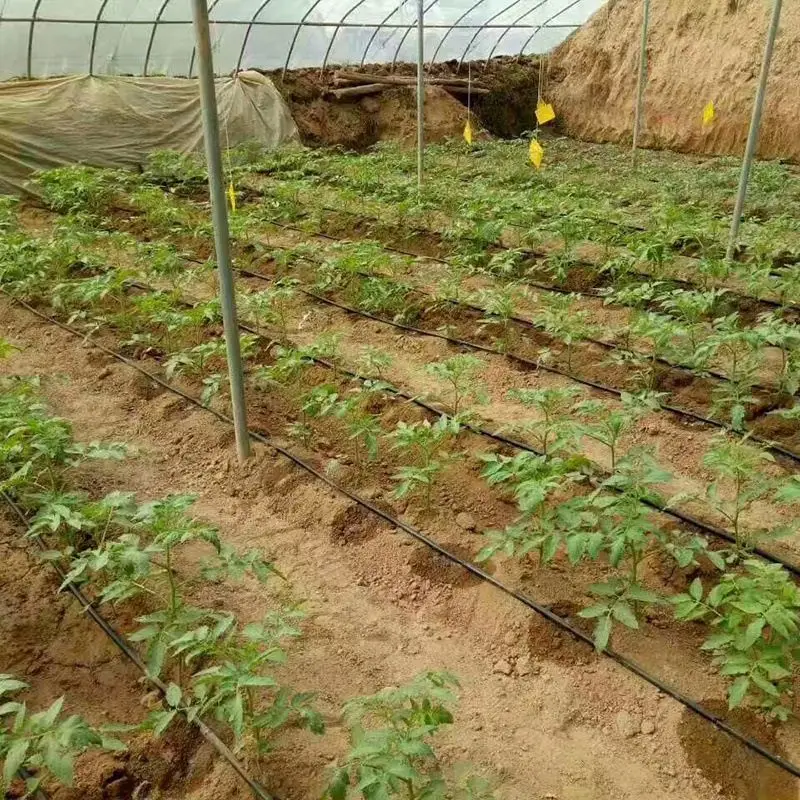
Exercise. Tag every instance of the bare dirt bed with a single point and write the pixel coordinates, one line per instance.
(548, 717)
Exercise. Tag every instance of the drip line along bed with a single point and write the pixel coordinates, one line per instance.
(397, 523)
(628, 462)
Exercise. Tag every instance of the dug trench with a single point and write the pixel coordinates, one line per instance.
(364, 557)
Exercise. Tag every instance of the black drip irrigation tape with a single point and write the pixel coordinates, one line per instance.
(695, 522)
(118, 639)
(528, 323)
(525, 362)
(644, 276)
(543, 611)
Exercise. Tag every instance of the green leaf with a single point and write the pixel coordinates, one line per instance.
(738, 691)
(696, 590)
(337, 788)
(8, 685)
(751, 635)
(60, 764)
(765, 685)
(642, 595)
(594, 611)
(155, 658)
(15, 758)
(576, 547)
(717, 641)
(162, 721)
(602, 633)
(173, 695)
(624, 613)
(52, 713)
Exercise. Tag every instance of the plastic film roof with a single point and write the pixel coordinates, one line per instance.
(42, 38)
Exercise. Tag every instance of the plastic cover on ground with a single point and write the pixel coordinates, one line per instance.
(116, 122)
(41, 38)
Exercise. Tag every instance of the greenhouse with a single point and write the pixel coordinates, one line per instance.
(399, 399)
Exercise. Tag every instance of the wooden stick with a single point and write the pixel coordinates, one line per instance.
(342, 77)
(357, 91)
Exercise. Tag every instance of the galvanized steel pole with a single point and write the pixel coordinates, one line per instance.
(637, 122)
(219, 213)
(420, 90)
(755, 129)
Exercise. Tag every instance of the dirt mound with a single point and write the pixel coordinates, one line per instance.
(698, 52)
(506, 111)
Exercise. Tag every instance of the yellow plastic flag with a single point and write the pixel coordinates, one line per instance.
(709, 114)
(232, 196)
(468, 132)
(537, 154)
(545, 112)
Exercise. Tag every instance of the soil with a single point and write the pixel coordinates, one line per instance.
(374, 619)
(697, 53)
(733, 767)
(391, 115)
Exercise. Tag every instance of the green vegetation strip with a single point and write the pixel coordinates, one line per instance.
(484, 576)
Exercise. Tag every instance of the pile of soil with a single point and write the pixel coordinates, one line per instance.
(698, 52)
(391, 115)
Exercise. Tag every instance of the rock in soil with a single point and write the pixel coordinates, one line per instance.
(466, 521)
(627, 724)
(502, 667)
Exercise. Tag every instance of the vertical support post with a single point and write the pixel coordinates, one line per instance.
(219, 212)
(755, 129)
(637, 122)
(420, 91)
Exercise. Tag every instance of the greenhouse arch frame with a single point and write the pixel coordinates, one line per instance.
(44, 38)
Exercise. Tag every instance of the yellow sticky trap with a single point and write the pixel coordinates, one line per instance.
(536, 153)
(709, 114)
(468, 132)
(232, 196)
(545, 112)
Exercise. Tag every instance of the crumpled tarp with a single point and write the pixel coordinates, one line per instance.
(116, 121)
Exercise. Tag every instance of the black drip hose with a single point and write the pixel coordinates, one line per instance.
(124, 647)
(708, 528)
(556, 620)
(644, 276)
(525, 362)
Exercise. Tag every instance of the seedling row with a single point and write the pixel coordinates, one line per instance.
(551, 522)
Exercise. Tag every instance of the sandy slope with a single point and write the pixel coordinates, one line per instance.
(699, 51)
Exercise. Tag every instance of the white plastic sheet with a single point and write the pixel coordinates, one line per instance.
(116, 122)
(40, 38)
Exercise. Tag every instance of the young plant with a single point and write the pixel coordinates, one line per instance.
(499, 307)
(555, 433)
(560, 318)
(239, 688)
(548, 516)
(785, 336)
(661, 336)
(459, 373)
(374, 363)
(271, 306)
(626, 530)
(740, 351)
(391, 755)
(608, 425)
(741, 479)
(423, 443)
(755, 614)
(37, 748)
